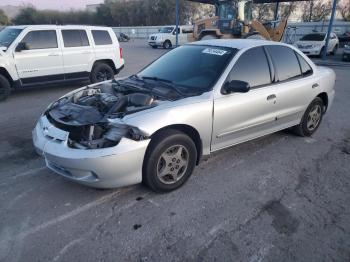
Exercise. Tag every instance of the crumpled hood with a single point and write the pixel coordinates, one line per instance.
(100, 103)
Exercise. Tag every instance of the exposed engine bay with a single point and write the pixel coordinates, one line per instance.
(87, 114)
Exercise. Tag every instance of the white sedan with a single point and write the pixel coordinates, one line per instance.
(315, 43)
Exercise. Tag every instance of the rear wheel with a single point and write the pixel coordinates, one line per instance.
(5, 88)
(312, 118)
(101, 72)
(169, 162)
(167, 44)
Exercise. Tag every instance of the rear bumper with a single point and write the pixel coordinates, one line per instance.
(102, 168)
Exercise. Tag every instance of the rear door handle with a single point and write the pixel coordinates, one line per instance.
(270, 97)
(315, 85)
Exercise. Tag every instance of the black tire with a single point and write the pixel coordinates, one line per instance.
(167, 44)
(101, 72)
(302, 129)
(159, 146)
(334, 51)
(5, 88)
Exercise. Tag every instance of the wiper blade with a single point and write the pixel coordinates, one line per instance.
(168, 83)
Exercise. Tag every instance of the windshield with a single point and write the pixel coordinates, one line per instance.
(191, 68)
(227, 11)
(313, 37)
(166, 30)
(8, 35)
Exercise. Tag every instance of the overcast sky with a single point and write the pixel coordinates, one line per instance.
(52, 4)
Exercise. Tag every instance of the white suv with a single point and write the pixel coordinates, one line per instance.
(46, 54)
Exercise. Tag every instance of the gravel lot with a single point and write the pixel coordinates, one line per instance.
(277, 198)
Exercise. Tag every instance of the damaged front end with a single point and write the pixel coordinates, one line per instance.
(92, 115)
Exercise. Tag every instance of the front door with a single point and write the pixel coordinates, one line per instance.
(42, 61)
(239, 117)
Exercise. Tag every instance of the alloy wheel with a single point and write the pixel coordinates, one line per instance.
(314, 117)
(172, 164)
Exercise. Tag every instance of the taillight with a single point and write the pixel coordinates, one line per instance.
(121, 52)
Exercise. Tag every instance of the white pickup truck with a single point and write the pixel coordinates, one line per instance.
(166, 37)
(49, 54)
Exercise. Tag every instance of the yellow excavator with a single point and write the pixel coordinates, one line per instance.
(234, 19)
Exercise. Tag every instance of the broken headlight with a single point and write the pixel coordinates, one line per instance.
(103, 136)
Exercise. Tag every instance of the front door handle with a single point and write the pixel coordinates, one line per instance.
(270, 97)
(315, 85)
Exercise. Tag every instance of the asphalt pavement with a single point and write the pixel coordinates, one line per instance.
(277, 198)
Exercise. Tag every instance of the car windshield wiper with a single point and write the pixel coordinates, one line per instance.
(168, 83)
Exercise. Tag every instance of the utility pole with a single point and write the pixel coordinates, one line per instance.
(329, 29)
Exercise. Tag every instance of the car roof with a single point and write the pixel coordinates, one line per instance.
(237, 43)
(57, 27)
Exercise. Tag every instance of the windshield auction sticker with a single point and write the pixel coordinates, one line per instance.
(214, 51)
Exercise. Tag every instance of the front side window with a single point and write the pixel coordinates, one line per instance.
(8, 35)
(75, 38)
(192, 68)
(285, 62)
(43, 39)
(101, 37)
(252, 67)
(166, 30)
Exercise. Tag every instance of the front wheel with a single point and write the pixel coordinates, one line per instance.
(101, 72)
(169, 162)
(312, 118)
(167, 44)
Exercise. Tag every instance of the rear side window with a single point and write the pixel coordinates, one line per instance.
(285, 62)
(252, 67)
(101, 37)
(74, 38)
(42, 39)
(304, 66)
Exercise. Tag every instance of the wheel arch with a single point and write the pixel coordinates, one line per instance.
(188, 130)
(108, 62)
(6, 74)
(324, 98)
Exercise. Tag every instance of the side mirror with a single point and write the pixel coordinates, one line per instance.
(21, 46)
(235, 86)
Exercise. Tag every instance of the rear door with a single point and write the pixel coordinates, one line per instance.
(43, 61)
(103, 45)
(239, 117)
(294, 87)
(78, 53)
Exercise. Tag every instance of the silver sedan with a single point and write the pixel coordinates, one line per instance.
(155, 126)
